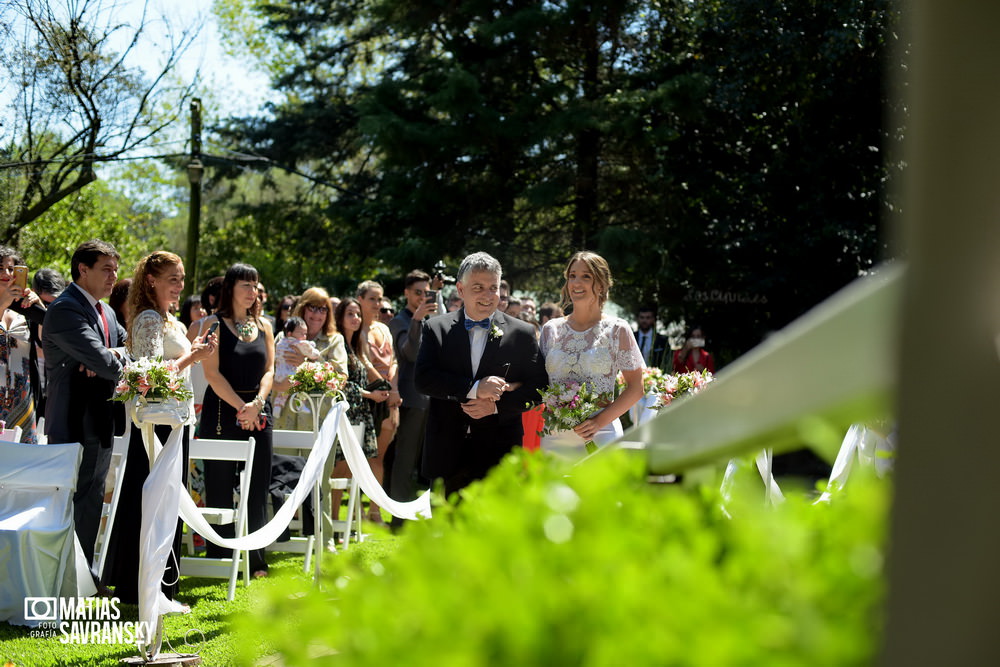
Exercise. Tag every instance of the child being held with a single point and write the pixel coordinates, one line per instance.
(295, 338)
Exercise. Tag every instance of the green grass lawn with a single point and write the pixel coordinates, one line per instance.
(205, 631)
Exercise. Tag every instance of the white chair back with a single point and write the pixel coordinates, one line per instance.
(11, 434)
(237, 451)
(119, 459)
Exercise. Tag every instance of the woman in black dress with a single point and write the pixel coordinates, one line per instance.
(239, 381)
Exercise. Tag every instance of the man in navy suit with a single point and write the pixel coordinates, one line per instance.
(654, 346)
(480, 368)
(83, 359)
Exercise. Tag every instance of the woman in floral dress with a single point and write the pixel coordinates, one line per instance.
(360, 371)
(17, 407)
(588, 347)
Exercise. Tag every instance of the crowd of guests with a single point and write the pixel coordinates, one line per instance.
(439, 385)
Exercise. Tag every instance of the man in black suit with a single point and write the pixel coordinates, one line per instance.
(479, 368)
(654, 346)
(405, 451)
(83, 358)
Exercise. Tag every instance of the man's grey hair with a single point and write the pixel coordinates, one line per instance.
(479, 261)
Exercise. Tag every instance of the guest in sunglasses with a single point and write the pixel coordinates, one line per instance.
(313, 307)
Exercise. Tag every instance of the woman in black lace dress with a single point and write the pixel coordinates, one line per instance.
(239, 382)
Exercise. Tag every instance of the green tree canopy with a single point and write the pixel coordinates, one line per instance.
(726, 157)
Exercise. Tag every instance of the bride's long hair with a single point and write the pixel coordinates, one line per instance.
(598, 267)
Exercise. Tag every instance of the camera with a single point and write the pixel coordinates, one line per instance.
(439, 273)
(430, 296)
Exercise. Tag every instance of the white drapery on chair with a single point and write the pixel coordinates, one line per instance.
(162, 495)
(237, 451)
(643, 411)
(870, 448)
(39, 553)
(356, 460)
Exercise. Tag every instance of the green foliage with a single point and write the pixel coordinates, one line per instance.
(95, 212)
(725, 171)
(535, 567)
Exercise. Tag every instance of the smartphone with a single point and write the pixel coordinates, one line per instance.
(431, 296)
(21, 276)
(211, 329)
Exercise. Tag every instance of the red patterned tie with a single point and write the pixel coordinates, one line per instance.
(104, 321)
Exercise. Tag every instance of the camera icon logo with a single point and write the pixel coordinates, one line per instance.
(41, 609)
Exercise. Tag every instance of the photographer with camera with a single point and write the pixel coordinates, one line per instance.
(403, 458)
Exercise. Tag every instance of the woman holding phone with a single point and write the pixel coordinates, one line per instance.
(152, 332)
(17, 407)
(235, 407)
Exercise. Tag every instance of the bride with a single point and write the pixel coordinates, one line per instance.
(586, 346)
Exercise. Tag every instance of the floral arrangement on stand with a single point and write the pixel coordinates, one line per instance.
(569, 404)
(317, 377)
(677, 385)
(151, 379)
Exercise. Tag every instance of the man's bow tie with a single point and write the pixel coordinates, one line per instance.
(484, 323)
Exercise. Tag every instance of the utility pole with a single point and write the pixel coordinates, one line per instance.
(195, 170)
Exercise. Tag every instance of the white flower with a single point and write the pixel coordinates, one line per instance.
(496, 332)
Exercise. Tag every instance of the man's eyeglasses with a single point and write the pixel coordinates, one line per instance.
(317, 309)
(387, 310)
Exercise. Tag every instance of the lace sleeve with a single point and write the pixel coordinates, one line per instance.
(628, 357)
(545, 342)
(147, 335)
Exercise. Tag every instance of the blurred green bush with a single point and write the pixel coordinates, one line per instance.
(543, 566)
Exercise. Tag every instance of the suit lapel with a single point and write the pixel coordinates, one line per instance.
(88, 311)
(456, 342)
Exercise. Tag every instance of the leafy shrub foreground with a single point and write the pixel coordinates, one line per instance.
(599, 568)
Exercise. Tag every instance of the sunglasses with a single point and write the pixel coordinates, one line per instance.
(386, 310)
(286, 306)
(317, 309)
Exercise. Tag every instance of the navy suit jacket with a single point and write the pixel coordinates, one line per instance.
(444, 373)
(78, 408)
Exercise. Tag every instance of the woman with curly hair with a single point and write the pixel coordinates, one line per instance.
(152, 332)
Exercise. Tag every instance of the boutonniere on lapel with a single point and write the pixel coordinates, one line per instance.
(496, 333)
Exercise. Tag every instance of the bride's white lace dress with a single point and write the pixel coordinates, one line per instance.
(594, 356)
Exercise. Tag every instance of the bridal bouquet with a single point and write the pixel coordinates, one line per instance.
(654, 381)
(152, 379)
(317, 377)
(569, 404)
(681, 384)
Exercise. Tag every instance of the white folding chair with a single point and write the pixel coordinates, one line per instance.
(300, 443)
(119, 456)
(238, 451)
(41, 555)
(11, 434)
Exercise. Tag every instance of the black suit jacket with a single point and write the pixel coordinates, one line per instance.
(78, 408)
(444, 373)
(660, 353)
